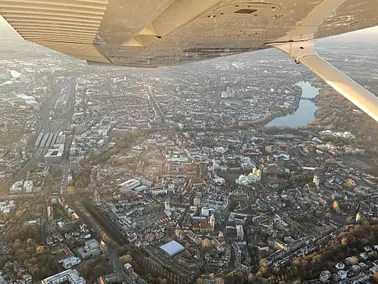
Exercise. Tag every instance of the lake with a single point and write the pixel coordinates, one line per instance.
(305, 113)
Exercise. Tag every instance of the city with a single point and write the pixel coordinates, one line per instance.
(243, 169)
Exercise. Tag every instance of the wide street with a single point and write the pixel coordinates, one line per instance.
(117, 266)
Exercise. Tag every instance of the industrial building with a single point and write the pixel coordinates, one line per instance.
(172, 248)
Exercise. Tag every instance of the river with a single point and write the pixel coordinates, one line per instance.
(305, 113)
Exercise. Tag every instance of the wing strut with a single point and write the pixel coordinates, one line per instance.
(304, 52)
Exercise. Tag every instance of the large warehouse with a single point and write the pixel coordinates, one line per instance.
(172, 248)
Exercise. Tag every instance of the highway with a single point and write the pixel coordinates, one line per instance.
(62, 83)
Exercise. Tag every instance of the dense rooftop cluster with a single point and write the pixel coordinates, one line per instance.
(172, 175)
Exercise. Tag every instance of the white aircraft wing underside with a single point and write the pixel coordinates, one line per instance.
(152, 33)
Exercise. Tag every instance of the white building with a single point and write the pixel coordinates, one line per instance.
(70, 276)
(219, 180)
(253, 177)
(340, 266)
(205, 211)
(216, 204)
(16, 187)
(167, 209)
(196, 201)
(141, 188)
(158, 191)
(28, 185)
(69, 262)
(247, 163)
(240, 232)
(325, 276)
(167, 206)
(145, 181)
(6, 206)
(172, 248)
(129, 185)
(342, 274)
(55, 154)
(344, 135)
(91, 248)
(60, 138)
(21, 185)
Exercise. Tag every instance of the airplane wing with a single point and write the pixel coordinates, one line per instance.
(152, 33)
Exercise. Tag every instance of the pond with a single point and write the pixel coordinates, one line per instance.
(305, 113)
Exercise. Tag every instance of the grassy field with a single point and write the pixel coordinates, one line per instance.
(58, 211)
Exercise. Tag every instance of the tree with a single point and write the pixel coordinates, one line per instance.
(353, 260)
(263, 262)
(30, 250)
(19, 213)
(35, 271)
(316, 258)
(349, 220)
(31, 243)
(206, 243)
(40, 250)
(259, 274)
(376, 276)
(16, 245)
(344, 241)
(85, 269)
(21, 255)
(18, 241)
(364, 241)
(276, 270)
(45, 272)
(263, 270)
(297, 262)
(125, 259)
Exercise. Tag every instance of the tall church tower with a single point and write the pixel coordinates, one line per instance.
(212, 221)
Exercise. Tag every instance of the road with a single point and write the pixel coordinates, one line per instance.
(117, 266)
(157, 109)
(62, 83)
(66, 165)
